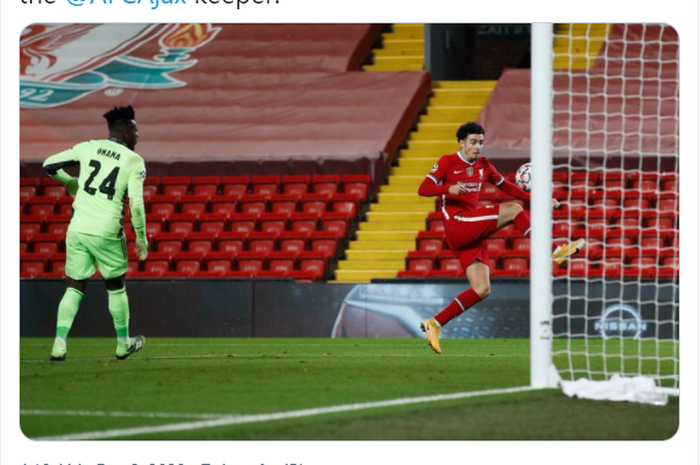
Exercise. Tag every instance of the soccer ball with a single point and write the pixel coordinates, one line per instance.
(523, 177)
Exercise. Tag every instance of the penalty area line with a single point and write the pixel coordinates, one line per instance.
(243, 419)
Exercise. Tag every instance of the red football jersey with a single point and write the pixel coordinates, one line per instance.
(453, 169)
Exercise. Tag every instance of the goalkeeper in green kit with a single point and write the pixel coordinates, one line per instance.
(109, 171)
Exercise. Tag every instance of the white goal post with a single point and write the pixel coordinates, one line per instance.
(604, 138)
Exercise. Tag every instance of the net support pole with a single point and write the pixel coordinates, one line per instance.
(542, 371)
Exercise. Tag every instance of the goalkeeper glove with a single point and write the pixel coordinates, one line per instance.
(141, 248)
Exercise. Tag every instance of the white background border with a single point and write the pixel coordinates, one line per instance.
(16, 449)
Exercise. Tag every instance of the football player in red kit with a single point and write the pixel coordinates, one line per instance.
(457, 179)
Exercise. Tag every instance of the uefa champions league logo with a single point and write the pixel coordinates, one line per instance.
(61, 63)
(620, 321)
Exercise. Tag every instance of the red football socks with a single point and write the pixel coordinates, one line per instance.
(522, 222)
(460, 304)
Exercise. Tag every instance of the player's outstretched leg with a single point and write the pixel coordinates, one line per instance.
(432, 330)
(136, 343)
(562, 253)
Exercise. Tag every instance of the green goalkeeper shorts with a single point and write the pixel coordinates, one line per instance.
(84, 251)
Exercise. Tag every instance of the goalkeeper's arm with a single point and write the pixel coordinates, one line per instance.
(54, 166)
(138, 211)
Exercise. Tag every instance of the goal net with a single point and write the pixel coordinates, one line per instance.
(615, 168)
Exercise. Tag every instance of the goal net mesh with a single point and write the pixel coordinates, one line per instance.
(615, 169)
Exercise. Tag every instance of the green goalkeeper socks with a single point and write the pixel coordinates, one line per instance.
(118, 303)
(67, 309)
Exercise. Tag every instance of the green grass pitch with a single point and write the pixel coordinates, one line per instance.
(191, 388)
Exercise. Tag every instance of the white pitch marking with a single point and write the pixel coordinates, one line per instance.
(226, 421)
(97, 413)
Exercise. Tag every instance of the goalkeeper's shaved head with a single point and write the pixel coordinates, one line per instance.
(122, 125)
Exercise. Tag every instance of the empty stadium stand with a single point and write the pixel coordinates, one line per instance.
(270, 234)
(275, 158)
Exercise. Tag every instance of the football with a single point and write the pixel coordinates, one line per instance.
(523, 177)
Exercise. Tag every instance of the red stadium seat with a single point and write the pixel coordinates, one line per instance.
(561, 229)
(521, 244)
(638, 203)
(345, 204)
(327, 184)
(578, 267)
(304, 222)
(202, 243)
(157, 263)
(243, 223)
(28, 188)
(313, 262)
(357, 185)
(162, 205)
(652, 242)
(324, 242)
(668, 202)
(434, 222)
(265, 184)
(250, 262)
(448, 261)
(291, 241)
(314, 203)
(47, 244)
(32, 265)
(231, 242)
(281, 262)
(614, 180)
(584, 178)
(53, 189)
(262, 242)
(223, 204)
(41, 206)
(515, 266)
(207, 186)
(495, 245)
(219, 261)
(334, 222)
(169, 243)
(255, 204)
(58, 224)
(195, 205)
(295, 184)
(181, 223)
(235, 185)
(273, 222)
(429, 241)
(284, 203)
(659, 222)
(175, 185)
(420, 260)
(213, 223)
(188, 263)
(30, 225)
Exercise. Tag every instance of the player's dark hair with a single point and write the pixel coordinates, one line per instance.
(118, 114)
(469, 128)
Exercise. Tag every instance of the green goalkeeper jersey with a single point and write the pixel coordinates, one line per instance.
(109, 171)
